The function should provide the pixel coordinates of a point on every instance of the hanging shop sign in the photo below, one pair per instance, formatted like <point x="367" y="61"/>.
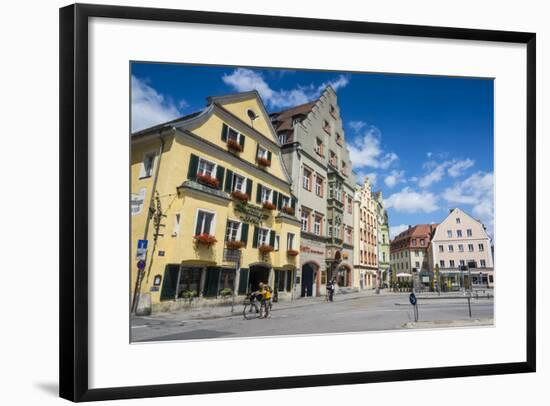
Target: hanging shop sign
<point x="250" y="213"/>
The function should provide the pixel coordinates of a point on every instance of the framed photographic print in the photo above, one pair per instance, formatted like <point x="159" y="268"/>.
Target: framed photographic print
<point x="241" y="189"/>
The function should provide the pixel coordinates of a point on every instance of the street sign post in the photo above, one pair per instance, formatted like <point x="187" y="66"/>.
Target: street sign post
<point x="414" y="302"/>
<point x="141" y="252"/>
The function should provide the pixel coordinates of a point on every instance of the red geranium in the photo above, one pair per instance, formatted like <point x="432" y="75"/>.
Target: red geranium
<point x="234" y="146"/>
<point x="268" y="206"/>
<point x="264" y="248"/>
<point x="234" y="245"/>
<point x="205" y="239"/>
<point x="238" y="195"/>
<point x="288" y="210"/>
<point x="264" y="161"/>
<point x="208" y="180"/>
<point x="292" y="253"/>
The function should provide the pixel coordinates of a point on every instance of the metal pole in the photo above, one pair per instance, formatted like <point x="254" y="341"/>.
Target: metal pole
<point x="469" y="307"/>
<point x="237" y="267"/>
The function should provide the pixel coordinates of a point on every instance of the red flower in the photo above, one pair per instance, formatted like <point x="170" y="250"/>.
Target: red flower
<point x="234" y="245"/>
<point x="292" y="253"/>
<point x="208" y="180"/>
<point x="288" y="210"/>
<point x="264" y="248"/>
<point x="264" y="161"/>
<point x="234" y="146"/>
<point x="205" y="239"/>
<point x="238" y="195"/>
<point x="268" y="206"/>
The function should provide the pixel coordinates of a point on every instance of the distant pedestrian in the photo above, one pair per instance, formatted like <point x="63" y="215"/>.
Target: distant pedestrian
<point x="330" y="290"/>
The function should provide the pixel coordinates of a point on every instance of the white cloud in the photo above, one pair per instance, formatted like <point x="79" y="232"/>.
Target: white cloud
<point x="357" y="126"/>
<point x="365" y="150"/>
<point x="458" y="167"/>
<point x="149" y="107"/>
<point x="395" y="230"/>
<point x="477" y="192"/>
<point x="244" y="80"/>
<point x="436" y="174"/>
<point x="373" y="177"/>
<point x="394" y="178"/>
<point x="410" y="201"/>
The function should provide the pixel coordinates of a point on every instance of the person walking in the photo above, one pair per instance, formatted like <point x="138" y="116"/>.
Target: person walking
<point x="266" y="294"/>
<point x="330" y="290"/>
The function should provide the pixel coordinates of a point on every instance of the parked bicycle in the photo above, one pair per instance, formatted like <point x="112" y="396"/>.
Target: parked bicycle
<point x="254" y="306"/>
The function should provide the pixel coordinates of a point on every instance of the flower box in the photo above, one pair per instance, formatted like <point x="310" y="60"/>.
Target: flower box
<point x="234" y="245"/>
<point x="208" y="181"/>
<point x="234" y="146"/>
<point x="265" y="249"/>
<point x="288" y="210"/>
<point x="292" y="253"/>
<point x="205" y="239"/>
<point x="264" y="162"/>
<point x="268" y="206"/>
<point x="238" y="195"/>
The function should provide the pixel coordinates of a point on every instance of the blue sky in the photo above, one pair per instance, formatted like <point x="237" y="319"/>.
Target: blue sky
<point x="425" y="141"/>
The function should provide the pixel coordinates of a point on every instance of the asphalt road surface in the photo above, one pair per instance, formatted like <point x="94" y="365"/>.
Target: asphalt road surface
<point x="368" y="313"/>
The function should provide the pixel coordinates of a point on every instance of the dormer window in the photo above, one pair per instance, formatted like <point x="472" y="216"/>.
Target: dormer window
<point x="333" y="159"/>
<point x="339" y="139"/>
<point x="326" y="126"/>
<point x="333" y="111"/>
<point x="283" y="138"/>
<point x="319" y="147"/>
<point x="344" y="169"/>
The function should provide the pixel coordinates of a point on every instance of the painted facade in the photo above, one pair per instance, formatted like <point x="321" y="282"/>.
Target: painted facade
<point x="383" y="244"/>
<point x="315" y="155"/>
<point x="461" y="243"/>
<point x="213" y="199"/>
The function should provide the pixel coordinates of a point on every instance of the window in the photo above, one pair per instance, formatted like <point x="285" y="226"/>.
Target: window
<point x="482" y="263"/>
<point x="307" y="179"/>
<point x="285" y="201"/>
<point x="239" y="183"/>
<point x="337" y="231"/>
<point x="262" y="152"/>
<point x="469" y="232"/>
<point x="349" y="236"/>
<point x="330" y="231"/>
<point x="344" y="169"/>
<point x="460" y="248"/>
<point x="289" y="241"/>
<point x="204" y="223"/>
<point x="233" y="231"/>
<point x="332" y="111"/>
<point x="227" y="279"/>
<point x="442" y="263"/>
<point x="277" y="242"/>
<point x="333" y="160"/>
<point x="449" y="234"/>
<point x="417" y="265"/>
<point x="317" y="225"/>
<point x="206" y="168"/>
<point x="350" y="204"/>
<point x="283" y="138"/>
<point x="416" y="253"/>
<point x="471" y="247"/>
<point x="305" y="220"/>
<point x="263" y="237"/>
<point x="452" y="263"/>
<point x="147" y="165"/>
<point x="422" y="242"/>
<point x="319" y="147"/>
<point x="190" y="280"/>
<point x="458" y="220"/>
<point x="459" y="233"/>
<point x="319" y="186"/>
<point x="176" y="229"/>
<point x="267" y="194"/>
<point x="462" y="263"/>
<point x="414" y="242"/>
<point x="233" y="135"/>
<point x="451" y="248"/>
<point x="339" y="139"/>
<point x="326" y="126"/>
<point x="480" y="247"/>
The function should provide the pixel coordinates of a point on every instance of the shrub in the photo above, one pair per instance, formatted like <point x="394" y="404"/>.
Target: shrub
<point x="225" y="292"/>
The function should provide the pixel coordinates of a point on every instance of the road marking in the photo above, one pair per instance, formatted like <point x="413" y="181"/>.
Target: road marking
<point x="140" y="326"/>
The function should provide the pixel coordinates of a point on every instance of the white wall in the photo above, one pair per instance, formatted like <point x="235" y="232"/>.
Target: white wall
<point x="29" y="72"/>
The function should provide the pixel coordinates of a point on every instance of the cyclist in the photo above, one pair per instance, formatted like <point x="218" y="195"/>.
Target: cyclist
<point x="266" y="294"/>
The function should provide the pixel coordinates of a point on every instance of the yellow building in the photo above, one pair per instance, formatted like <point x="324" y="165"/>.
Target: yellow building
<point x="211" y="196"/>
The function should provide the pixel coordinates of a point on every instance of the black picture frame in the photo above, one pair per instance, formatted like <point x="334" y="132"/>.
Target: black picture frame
<point x="73" y="281"/>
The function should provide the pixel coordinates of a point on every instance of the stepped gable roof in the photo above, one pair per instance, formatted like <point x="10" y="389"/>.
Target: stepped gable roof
<point x="282" y="120"/>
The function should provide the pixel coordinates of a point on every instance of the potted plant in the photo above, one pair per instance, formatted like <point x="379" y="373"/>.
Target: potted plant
<point x="268" y="206"/>
<point x="188" y="294"/>
<point x="205" y="239"/>
<point x="288" y="210"/>
<point x="234" y="245"/>
<point x="226" y="292"/>
<point x="208" y="180"/>
<point x="265" y="248"/>
<point x="234" y="146"/>
<point x="292" y="253"/>
<point x="262" y="161"/>
<point x="238" y="195"/>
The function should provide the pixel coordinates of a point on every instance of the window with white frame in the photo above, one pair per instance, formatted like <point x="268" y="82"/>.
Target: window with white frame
<point x="416" y="253"/>
<point x="206" y="168"/>
<point x="262" y="152"/>
<point x="442" y="263"/>
<point x="460" y="247"/>
<point x="276" y="243"/>
<point x="451" y="263"/>
<point x="233" y="231"/>
<point x="317" y="225"/>
<point x="267" y="194"/>
<point x="471" y="247"/>
<point x="449" y="233"/>
<point x="285" y="200"/>
<point x="283" y="138"/>
<point x="451" y="248"/>
<point x="422" y="242"/>
<point x="147" y="165"/>
<point x="417" y="265"/>
<point x="458" y="220"/>
<point x="305" y="220"/>
<point x="481" y="247"/>
<point x="233" y="135"/>
<point x="204" y="223"/>
<point x="459" y="233"/>
<point x="482" y="263"/>
<point x="307" y="179"/>
<point x="469" y="232"/>
<point x="462" y="263"/>
<point x="239" y="183"/>
<point x="319" y="186"/>
<point x="263" y="236"/>
<point x="290" y="241"/>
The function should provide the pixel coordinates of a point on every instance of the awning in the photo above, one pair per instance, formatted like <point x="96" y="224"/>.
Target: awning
<point x="403" y="274"/>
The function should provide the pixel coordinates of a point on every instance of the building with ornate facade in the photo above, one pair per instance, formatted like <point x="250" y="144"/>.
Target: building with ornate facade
<point x="383" y="244"/>
<point x="316" y="157"/>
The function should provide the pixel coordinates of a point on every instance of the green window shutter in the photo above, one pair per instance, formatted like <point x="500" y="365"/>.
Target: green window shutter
<point x="241" y="141"/>
<point x="244" y="233"/>
<point x="193" y="167"/>
<point x="289" y="281"/>
<point x="169" y="282"/>
<point x="211" y="283"/>
<point x="249" y="188"/>
<point x="293" y="203"/>
<point x="255" y="237"/>
<point x="272" y="238"/>
<point x="229" y="181"/>
<point x="243" y="281"/>
<point x="226" y="227"/>
<point x="275" y="197"/>
<point x="280" y="201"/>
<point x="219" y="175"/>
<point x="224" y="132"/>
<point x="257" y="150"/>
<point x="269" y="156"/>
<point x="259" y="193"/>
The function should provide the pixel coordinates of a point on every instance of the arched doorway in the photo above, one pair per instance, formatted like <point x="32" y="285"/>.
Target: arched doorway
<point x="344" y="276"/>
<point x="258" y="273"/>
<point x="308" y="275"/>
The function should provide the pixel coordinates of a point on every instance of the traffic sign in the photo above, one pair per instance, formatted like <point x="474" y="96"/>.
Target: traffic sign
<point x="412" y="299"/>
<point x="141" y="252"/>
<point x="141" y="264"/>
<point x="142" y="244"/>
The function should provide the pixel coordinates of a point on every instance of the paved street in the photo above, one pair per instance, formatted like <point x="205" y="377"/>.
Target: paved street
<point x="348" y="313"/>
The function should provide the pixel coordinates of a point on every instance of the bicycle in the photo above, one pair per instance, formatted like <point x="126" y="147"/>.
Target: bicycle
<point x="254" y="307"/>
